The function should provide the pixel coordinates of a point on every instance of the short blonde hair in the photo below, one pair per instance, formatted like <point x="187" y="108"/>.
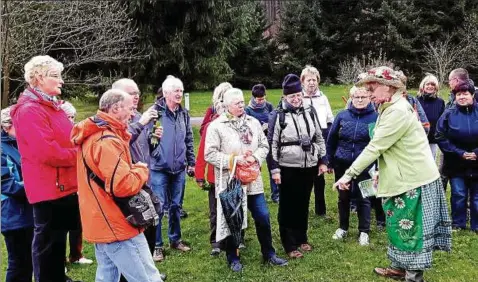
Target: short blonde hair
<point x="218" y="96"/>
<point x="40" y="65"/>
<point x="429" y="78"/>
<point x="356" y="89"/>
<point x="310" y="70"/>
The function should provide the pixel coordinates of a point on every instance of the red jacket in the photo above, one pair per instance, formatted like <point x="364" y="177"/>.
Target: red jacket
<point x="48" y="157"/>
<point x="201" y="164"/>
<point x="208" y="117"/>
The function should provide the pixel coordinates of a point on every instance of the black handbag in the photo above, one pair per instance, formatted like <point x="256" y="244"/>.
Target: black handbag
<point x="140" y="210"/>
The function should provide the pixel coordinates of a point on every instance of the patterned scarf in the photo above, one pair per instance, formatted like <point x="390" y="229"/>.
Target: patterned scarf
<point x="239" y="124"/>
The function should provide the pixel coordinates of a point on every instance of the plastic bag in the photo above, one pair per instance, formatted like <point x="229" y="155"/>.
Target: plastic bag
<point x="248" y="173"/>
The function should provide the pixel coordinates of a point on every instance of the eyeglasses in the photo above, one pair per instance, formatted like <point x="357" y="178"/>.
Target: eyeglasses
<point x="293" y="96"/>
<point x="240" y="103"/>
<point x="361" y="98"/>
<point x="54" y="75"/>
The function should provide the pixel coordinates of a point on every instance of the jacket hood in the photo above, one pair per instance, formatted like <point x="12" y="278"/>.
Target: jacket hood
<point x="369" y="109"/>
<point x="100" y="122"/>
<point x="35" y="96"/>
<point x="161" y="105"/>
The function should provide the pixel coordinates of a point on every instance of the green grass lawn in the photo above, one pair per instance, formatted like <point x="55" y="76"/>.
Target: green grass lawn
<point x="330" y="261"/>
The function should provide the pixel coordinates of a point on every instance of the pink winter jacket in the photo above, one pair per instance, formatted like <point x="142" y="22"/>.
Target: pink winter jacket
<point x="48" y="156"/>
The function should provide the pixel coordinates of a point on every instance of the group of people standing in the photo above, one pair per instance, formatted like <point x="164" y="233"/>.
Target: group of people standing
<point x="55" y="172"/>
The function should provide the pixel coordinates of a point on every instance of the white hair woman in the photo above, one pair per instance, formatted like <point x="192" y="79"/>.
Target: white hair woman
<point x="17" y="213"/>
<point x="310" y="80"/>
<point x="48" y="165"/>
<point x="413" y="196"/>
<point x="207" y="180"/>
<point x="433" y="105"/>
<point x="236" y="135"/>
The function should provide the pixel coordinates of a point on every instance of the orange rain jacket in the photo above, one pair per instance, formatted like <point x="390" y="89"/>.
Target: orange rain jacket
<point x="104" y="143"/>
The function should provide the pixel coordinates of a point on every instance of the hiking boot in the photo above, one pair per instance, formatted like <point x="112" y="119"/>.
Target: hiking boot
<point x="236" y="266"/>
<point x="388" y="272"/>
<point x="180" y="246"/>
<point x="158" y="254"/>
<point x="277" y="261"/>
<point x="182" y="213"/>
<point x="295" y="254"/>
<point x="339" y="234"/>
<point x="83" y="260"/>
<point x="215" y="252"/>
<point x="306" y="247"/>
<point x="363" y="239"/>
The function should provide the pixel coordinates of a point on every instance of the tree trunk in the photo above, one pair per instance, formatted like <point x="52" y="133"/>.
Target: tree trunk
<point x="6" y="84"/>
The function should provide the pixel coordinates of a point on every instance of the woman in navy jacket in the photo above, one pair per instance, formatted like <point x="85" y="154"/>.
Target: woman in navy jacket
<point x="17" y="213"/>
<point x="433" y="105"/>
<point x="348" y="136"/>
<point x="457" y="137"/>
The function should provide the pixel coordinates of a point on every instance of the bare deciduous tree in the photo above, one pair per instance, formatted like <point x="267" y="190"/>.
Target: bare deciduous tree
<point x="351" y="67"/>
<point x="76" y="32"/>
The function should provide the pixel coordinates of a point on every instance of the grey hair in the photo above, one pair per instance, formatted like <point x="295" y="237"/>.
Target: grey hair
<point x="40" y="65"/>
<point x="6" y="118"/>
<point x="110" y="98"/>
<point x="356" y="89"/>
<point x="170" y="83"/>
<point x="218" y="96"/>
<point x="460" y="73"/>
<point x="123" y="83"/>
<point x="310" y="70"/>
<point x="232" y="94"/>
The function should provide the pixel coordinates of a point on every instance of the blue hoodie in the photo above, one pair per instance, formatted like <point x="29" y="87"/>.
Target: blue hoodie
<point x="176" y="147"/>
<point x="457" y="133"/>
<point x="349" y="134"/>
<point x="17" y="213"/>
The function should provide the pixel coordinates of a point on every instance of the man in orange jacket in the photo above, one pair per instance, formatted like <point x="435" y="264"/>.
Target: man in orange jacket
<point x="103" y="142"/>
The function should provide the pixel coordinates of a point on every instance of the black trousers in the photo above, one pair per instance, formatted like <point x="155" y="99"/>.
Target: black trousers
<point x="52" y="220"/>
<point x="294" y="196"/>
<point x="363" y="204"/>
<point x="19" y="249"/>
<point x="319" y="195"/>
<point x="213" y="217"/>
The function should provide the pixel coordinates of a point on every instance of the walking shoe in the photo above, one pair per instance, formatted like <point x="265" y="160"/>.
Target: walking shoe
<point x="163" y="276"/>
<point x="215" y="252"/>
<point x="306" y="247"/>
<point x="180" y="246"/>
<point x="277" y="261"/>
<point x="295" y="254"/>
<point x="182" y="213"/>
<point x="388" y="272"/>
<point x="236" y="266"/>
<point x="158" y="254"/>
<point x="339" y="234"/>
<point x="83" y="260"/>
<point x="363" y="239"/>
<point x="166" y="213"/>
<point x="241" y="246"/>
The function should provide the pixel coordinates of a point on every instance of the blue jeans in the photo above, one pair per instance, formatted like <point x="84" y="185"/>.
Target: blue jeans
<point x="169" y="188"/>
<point x="19" y="249"/>
<point x="274" y="188"/>
<point x="258" y="207"/>
<point x="460" y="188"/>
<point x="130" y="257"/>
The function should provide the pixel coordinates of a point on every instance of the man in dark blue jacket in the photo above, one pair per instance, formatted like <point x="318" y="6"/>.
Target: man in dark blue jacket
<point x="170" y="158"/>
<point x="17" y="213"/>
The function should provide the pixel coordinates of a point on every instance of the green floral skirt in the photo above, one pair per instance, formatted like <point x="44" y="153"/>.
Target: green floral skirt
<point x="417" y="224"/>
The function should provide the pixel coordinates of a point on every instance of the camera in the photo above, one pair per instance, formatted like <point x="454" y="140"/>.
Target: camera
<point x="305" y="143"/>
<point x="190" y="172"/>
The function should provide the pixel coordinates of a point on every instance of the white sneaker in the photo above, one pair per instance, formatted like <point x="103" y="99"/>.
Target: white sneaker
<point x="83" y="260"/>
<point x="363" y="239"/>
<point x="339" y="234"/>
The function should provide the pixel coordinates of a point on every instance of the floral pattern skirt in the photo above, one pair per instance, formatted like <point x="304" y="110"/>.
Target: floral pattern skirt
<point x="417" y="224"/>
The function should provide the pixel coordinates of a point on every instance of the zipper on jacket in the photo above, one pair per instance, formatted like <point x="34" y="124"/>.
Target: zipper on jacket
<point x="468" y="120"/>
<point x="62" y="187"/>
<point x="355" y="135"/>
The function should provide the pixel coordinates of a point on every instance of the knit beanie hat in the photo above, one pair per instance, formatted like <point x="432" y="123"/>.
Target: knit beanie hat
<point x="258" y="90"/>
<point x="382" y="75"/>
<point x="291" y="84"/>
